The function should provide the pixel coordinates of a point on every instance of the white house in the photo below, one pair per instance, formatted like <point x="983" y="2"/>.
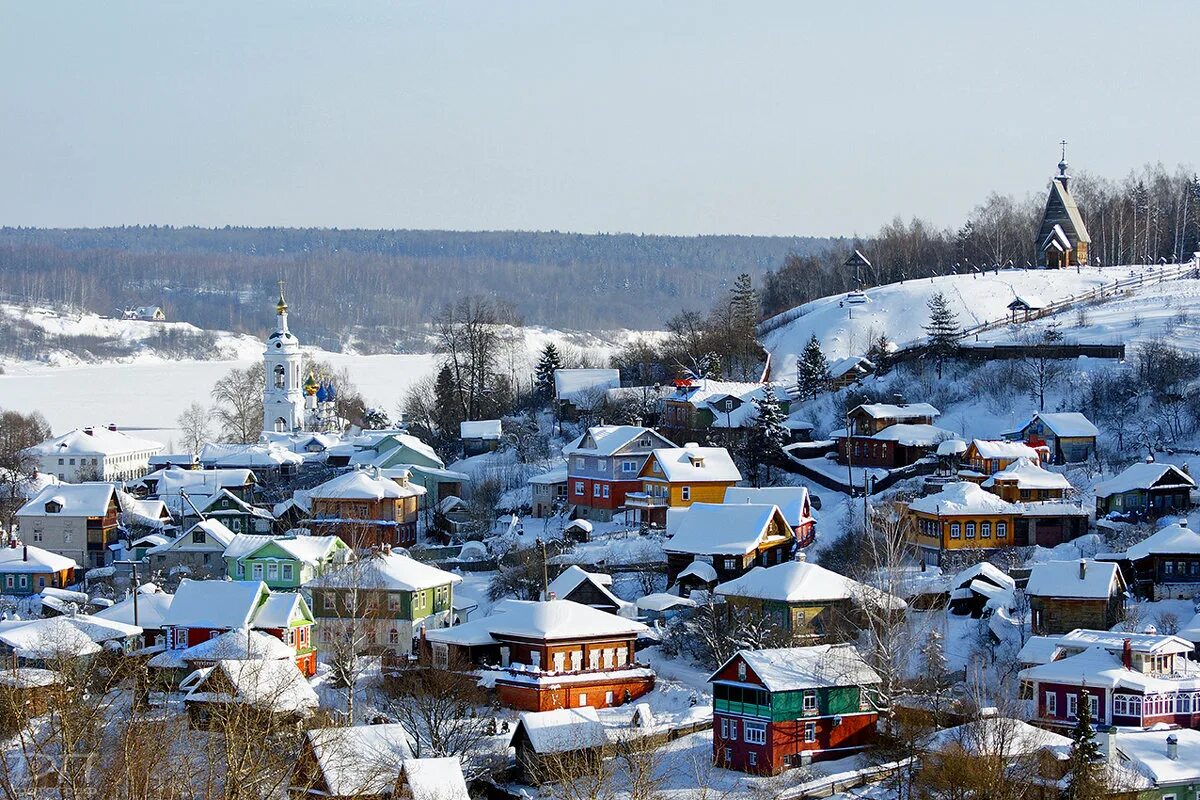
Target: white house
<point x="95" y="453"/>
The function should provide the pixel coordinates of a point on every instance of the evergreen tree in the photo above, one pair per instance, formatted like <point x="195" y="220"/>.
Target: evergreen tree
<point x="548" y="362"/>
<point x="447" y="413"/>
<point x="1084" y="772"/>
<point x="812" y="369"/>
<point x="943" y="330"/>
<point x="880" y="353"/>
<point x="768" y="436"/>
<point x="743" y="353"/>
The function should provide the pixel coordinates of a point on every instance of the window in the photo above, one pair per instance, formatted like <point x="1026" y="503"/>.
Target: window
<point x="393" y="636"/>
<point x="583" y="699"/>
<point x="8" y="581"/>
<point x="579" y="488"/>
<point x="393" y="602"/>
<point x="985" y="530"/>
<point x="287" y="572"/>
<point x="198" y="537"/>
<point x="756" y="733"/>
<point x="1051" y="704"/>
<point x="272" y="572"/>
<point x="1001" y="530"/>
<point x="601" y="465"/>
<point x="686" y="492"/>
<point x="631" y="466"/>
<point x="970" y="530"/>
<point x="1169" y="567"/>
<point x="595" y="490"/>
<point x="579" y="463"/>
<point x="810" y="731"/>
<point x="257" y="570"/>
<point x="60" y="462"/>
<point x="733" y="730"/>
<point x="441" y="655"/>
<point x="606" y="490"/>
<point x="955" y="530"/>
<point x="730" y="564"/>
<point x="37" y="535"/>
<point x="724" y="728"/>
<point x="810" y="701"/>
<point x="608" y="698"/>
<point x="752" y="758"/>
<point x="1094" y="706"/>
<point x="279" y="373"/>
<point x="1072" y="706"/>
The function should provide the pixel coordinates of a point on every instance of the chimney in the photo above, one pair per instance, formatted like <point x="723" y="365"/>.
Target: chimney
<point x="1082" y="569"/>
<point x="1173" y="747"/>
<point x="1108" y="743"/>
<point x="801" y="556"/>
<point x="552" y="596"/>
<point x="637" y="421"/>
<point x="1186" y="467"/>
<point x="112" y="426"/>
<point x="90" y="431"/>
<point x="1127" y="654"/>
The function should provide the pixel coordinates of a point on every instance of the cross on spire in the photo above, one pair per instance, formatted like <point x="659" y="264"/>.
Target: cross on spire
<point x="1064" y="149"/>
<point x="282" y="305"/>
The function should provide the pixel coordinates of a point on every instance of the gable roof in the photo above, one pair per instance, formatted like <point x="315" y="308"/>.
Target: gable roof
<point x="305" y="549"/>
<point x="793" y="501"/>
<point x="215" y="604"/>
<point x="99" y="442"/>
<point x="1144" y="476"/>
<point x="486" y="429"/>
<point x="1176" y="538"/>
<point x="1028" y="475"/>
<point x="279" y="609"/>
<point x="362" y="484"/>
<point x="897" y="412"/>
<point x="385" y="571"/>
<point x="277" y="685"/>
<point x="1062" y="579"/>
<point x="715" y="528"/>
<point x="76" y="499"/>
<point x="962" y="498"/>
<point x="693" y="463"/>
<point x="363" y="760"/>
<point x="989" y="448"/>
<point x="1001" y="736"/>
<point x="217" y="537"/>
<point x="247" y="455"/>
<point x="152" y="606"/>
<point x="1068" y="424"/>
<point x="1060" y="196"/>
<point x="239" y="644"/>
<point x="538" y="619"/>
<point x="576" y="384"/>
<point x="803" y="582"/>
<point x="27" y="558"/>
<point x="572" y="576"/>
<point x="913" y="434"/>
<point x="561" y="730"/>
<point x="243" y="544"/>
<point x="608" y="440"/>
<point x="48" y="639"/>
<point x="786" y="668"/>
<point x="434" y="778"/>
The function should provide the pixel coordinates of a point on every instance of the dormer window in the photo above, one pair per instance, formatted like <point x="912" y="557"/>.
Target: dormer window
<point x="53" y="507"/>
<point x="198" y="537"/>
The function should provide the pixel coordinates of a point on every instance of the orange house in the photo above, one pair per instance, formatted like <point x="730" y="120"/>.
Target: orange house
<point x="676" y="477"/>
<point x="367" y="508"/>
<point x="962" y="516"/>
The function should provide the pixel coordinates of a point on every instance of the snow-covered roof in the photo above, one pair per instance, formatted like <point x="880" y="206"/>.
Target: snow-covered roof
<point x="486" y="429"/>
<point x="960" y="499"/>
<point x="247" y="455"/>
<point x="215" y="604"/>
<point x="363" y="484"/>
<point x="243" y="544"/>
<point x="574" y="575"/>
<point x="151" y="608"/>
<point x="95" y="441"/>
<point x="803" y="582"/>
<point x="997" y="736"/>
<point x="392" y="571"/>
<point x="538" y="619"/>
<point x="216" y="537"/>
<point x="362" y="761"/>
<point x="1175" y="539"/>
<point x="1028" y="475"/>
<point x="1142" y="476"/>
<point x="1062" y="579"/>
<point x="897" y="412"/>
<point x="1029" y="301"/>
<point x="693" y="463"/>
<point x="574" y="385"/>
<point x="1191" y="631"/>
<point x="661" y="601"/>
<point x="1068" y="424"/>
<point x="435" y="778"/>
<point x="793" y="501"/>
<point x="787" y="668"/>
<point x="279" y="609"/>
<point x="840" y="366"/>
<point x="49" y="639"/>
<point x="913" y="435"/>
<point x="986" y="571"/>
<point x="277" y="685"/>
<point x="556" y="475"/>
<point x="607" y="440"/>
<point x="716" y="528"/>
<point x="26" y="558"/>
<point x="1147" y="750"/>
<point x="711" y="395"/>
<point x="1100" y="667"/>
<point x="75" y="499"/>
<point x="951" y="447"/>
<point x="172" y="480"/>
<point x="994" y="448"/>
<point x="701" y="570"/>
<point x="562" y="730"/>
<point x="239" y="644"/>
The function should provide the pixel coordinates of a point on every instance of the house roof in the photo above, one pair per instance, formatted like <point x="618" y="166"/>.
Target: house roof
<point x="716" y="528"/>
<point x="608" y="440"/>
<point x="962" y="498"/>
<point x="803" y="582"/>
<point x="951" y="447"/>
<point x="1143" y="476"/>
<point x="913" y="435"/>
<point x="897" y="412"/>
<point x="999" y="736"/>
<point x="215" y="604"/>
<point x="787" y="668"/>
<point x="278" y="685"/>
<point x="151" y="608"/>
<point x="572" y="576"/>
<point x="305" y="549"/>
<point x="363" y="760"/>
<point x="989" y="448"/>
<point x="100" y="442"/>
<point x="217" y="537"/>
<point x="1062" y="579"/>
<point x="247" y="455"/>
<point x="561" y="730"/>
<point x="577" y="384"/>
<point x="1099" y="667"/>
<point x="239" y="644"/>
<point x="793" y="501"/>
<point x="1059" y="188"/>
<point x="49" y="639"/>
<point x="840" y="366"/>
<point x="710" y="395"/>
<point x="1147" y="750"/>
<point x="538" y="619"/>
<point x="435" y="778"/>
<point x="1069" y="424"/>
<point x="1029" y="301"/>
<point x="486" y="429"/>
<point x="243" y="544"/>
<point x="693" y="463"/>
<point x="1028" y="475"/>
<point x="985" y="571"/>
<point x="76" y="499"/>
<point x="279" y="609"/>
<point x="385" y="571"/>
<point x="27" y="558"/>
<point x="1174" y="539"/>
<point x="556" y="475"/>
<point x="362" y="484"/>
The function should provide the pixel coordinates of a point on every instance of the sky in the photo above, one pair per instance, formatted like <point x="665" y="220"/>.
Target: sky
<point x="788" y="118"/>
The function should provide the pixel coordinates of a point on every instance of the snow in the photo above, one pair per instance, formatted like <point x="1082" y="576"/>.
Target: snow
<point x="952" y="447"/>
<point x="899" y="310"/>
<point x="435" y="779"/>
<point x="99" y="442"/>
<point x="898" y="412"/>
<point x="1062" y="579"/>
<point x="962" y="498"/>
<point x="713" y="528"/>
<point x="49" y="640"/>
<point x="990" y="448"/>
<point x="574" y="575"/>
<point x="1174" y="539"/>
<point x="562" y="730"/>
<point x="557" y="619"/>
<point x="1001" y="736"/>
<point x="799" y="582"/>
<point x="1068" y="424"/>
<point x="360" y="761"/>
<point x="390" y="571"/>
<point x="710" y="394"/>
<point x="1143" y="476"/>
<point x="1028" y="475"/>
<point x="218" y="455"/>
<point x="215" y="534"/>
<point x="214" y="604"/>
<point x="1097" y="666"/>
<point x="151" y="609"/>
<point x="76" y="499"/>
<point x="661" y="601"/>
<point x="234" y="645"/>
<point x="607" y="440"/>
<point x="693" y="463"/>
<point x="701" y="570"/>
<point x="486" y="429"/>
<point x="361" y="484"/>
<point x="26" y="558"/>
<point x="574" y="385"/>
<point x="919" y="435"/>
<point x="278" y="685"/>
<point x="556" y="475"/>
<point x="786" y="668"/>
<point x="1148" y="751"/>
<point x="793" y="501"/>
<point x="243" y="544"/>
<point x="279" y="610"/>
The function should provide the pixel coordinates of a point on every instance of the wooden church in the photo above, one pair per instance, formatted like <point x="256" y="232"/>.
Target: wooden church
<point x="1063" y="238"/>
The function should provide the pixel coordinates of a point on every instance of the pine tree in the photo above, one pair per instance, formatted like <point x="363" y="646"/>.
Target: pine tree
<point x="548" y="362"/>
<point x="447" y="405"/>
<point x="943" y="330"/>
<point x="880" y="353"/>
<point x="812" y="369"/>
<point x="1084" y="772"/>
<point x="768" y="436"/>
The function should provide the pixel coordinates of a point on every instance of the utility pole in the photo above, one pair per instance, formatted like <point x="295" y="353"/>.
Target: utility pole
<point x="545" y="570"/>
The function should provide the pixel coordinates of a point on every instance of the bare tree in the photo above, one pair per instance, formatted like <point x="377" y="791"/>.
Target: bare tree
<point x="195" y="426"/>
<point x="237" y="399"/>
<point x="18" y="433"/>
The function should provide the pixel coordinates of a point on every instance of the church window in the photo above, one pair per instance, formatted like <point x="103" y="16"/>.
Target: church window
<point x="279" y="374"/>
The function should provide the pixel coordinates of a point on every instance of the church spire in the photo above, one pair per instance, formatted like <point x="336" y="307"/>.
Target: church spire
<point x="281" y="308"/>
<point x="1062" y="165"/>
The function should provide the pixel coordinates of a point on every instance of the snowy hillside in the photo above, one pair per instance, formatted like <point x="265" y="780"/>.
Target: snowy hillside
<point x="899" y="309"/>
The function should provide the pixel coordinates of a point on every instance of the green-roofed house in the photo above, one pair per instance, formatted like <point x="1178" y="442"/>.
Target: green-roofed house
<point x="395" y="450"/>
<point x="284" y="562"/>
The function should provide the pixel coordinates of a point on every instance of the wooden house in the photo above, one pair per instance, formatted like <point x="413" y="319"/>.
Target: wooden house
<point x="977" y="587"/>
<point x="848" y="371"/>
<point x="780" y="708"/>
<point x="729" y="540"/>
<point x="353" y="763"/>
<point x="1046" y="518"/>
<point x="75" y="520"/>
<point x="985" y="456"/>
<point x="549" y="492"/>
<point x="1069" y="436"/>
<point x="676" y="477"/>
<point x="1062" y="238"/>
<point x="716" y="410"/>
<point x="889" y="435"/>
<point x="1023" y="481"/>
<point x="26" y="570"/>
<point x="1164" y="566"/>
<point x="794" y="502"/>
<point x="1146" y="490"/>
<point x="603" y="466"/>
<point x="592" y="589"/>
<point x="262" y="694"/>
<point x="555" y="745"/>
<point x="962" y="516"/>
<point x="200" y="550"/>
<point x="479" y="436"/>
<point x="550" y="654"/>
<point x="284" y="562"/>
<point x="1065" y="595"/>
<point x="395" y="450"/>
<point x="367" y="509"/>
<point x="233" y="512"/>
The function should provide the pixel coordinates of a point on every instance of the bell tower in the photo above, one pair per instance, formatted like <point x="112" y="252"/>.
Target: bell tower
<point x="283" y="396"/>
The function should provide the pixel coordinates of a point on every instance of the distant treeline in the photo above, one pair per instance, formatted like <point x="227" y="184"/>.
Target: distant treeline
<point x="377" y="289"/>
<point x="1147" y="216"/>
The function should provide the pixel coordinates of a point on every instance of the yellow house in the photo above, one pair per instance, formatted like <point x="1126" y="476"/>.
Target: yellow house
<point x="676" y="477"/>
<point x="962" y="516"/>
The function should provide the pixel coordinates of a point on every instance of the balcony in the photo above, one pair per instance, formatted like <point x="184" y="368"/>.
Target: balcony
<point x="643" y="500"/>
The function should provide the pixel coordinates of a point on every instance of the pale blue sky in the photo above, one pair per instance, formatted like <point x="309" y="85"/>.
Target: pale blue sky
<point x="671" y="117"/>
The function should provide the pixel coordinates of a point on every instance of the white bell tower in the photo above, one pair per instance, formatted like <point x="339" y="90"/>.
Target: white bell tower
<point x="283" y="397"/>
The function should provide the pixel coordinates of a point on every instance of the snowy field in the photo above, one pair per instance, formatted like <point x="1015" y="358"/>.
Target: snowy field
<point x="899" y="309"/>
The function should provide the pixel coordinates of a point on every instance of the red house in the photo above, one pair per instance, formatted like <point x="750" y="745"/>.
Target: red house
<point x="605" y="464"/>
<point x="551" y="654"/>
<point x="784" y="707"/>
<point x="203" y="610"/>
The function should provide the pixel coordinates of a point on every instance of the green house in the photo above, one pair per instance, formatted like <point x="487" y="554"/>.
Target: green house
<point x="284" y="562"/>
<point x="384" y="599"/>
<point x="231" y="511"/>
<point x="402" y="451"/>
